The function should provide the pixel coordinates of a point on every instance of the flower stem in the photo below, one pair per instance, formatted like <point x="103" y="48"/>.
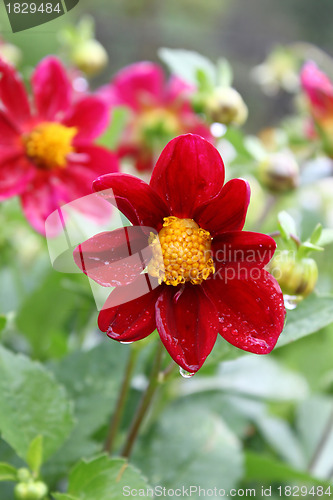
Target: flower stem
<point x="144" y="403"/>
<point x="322" y="442"/>
<point x="116" y="417"/>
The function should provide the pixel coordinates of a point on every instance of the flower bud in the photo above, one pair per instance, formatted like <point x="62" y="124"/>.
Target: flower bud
<point x="10" y="53"/>
<point x="89" y="56"/>
<point x="31" y="491"/>
<point x="279" y="172"/>
<point x="296" y="277"/>
<point x="225" y="105"/>
<point x="23" y="475"/>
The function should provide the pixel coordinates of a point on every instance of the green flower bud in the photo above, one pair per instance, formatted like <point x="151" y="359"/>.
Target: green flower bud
<point x="10" y="53"/>
<point x="31" y="491"/>
<point x="90" y="57"/>
<point x="20" y="491"/>
<point x="225" y="105"/>
<point x="23" y="475"/>
<point x="279" y="172"/>
<point x="296" y="277"/>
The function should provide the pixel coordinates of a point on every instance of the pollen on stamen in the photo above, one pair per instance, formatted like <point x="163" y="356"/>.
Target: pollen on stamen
<point x="181" y="253"/>
<point x="49" y="144"/>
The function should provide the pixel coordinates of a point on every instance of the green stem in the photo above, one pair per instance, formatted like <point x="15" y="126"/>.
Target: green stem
<point x="270" y="204"/>
<point x="144" y="403"/>
<point x="122" y="396"/>
<point x="322" y="442"/>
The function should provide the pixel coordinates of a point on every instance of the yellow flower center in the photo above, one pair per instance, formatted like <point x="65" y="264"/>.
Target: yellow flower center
<point x="49" y="144"/>
<point x="181" y="252"/>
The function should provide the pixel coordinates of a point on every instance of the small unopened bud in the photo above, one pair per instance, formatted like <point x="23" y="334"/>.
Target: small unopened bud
<point x="90" y="57"/>
<point x="23" y="475"/>
<point x="31" y="491"/>
<point x="225" y="105"/>
<point x="279" y="172"/>
<point x="10" y="53"/>
<point x="296" y="277"/>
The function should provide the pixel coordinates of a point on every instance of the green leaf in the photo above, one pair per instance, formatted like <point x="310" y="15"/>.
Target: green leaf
<point x="3" y="322"/>
<point x="111" y="136"/>
<point x="326" y="237"/>
<point x="32" y="403"/>
<point x="224" y="73"/>
<point x="102" y="478"/>
<point x="35" y="455"/>
<point x="287" y="225"/>
<point x="63" y="496"/>
<point x="172" y="455"/>
<point x="186" y="63"/>
<point x="263" y="468"/>
<point x="315" y="236"/>
<point x="56" y="309"/>
<point x="7" y="472"/>
<point x="92" y="379"/>
<point x="310" y="316"/>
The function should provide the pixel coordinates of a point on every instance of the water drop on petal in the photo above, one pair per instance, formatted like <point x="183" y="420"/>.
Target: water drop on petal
<point x="126" y="342"/>
<point x="184" y="373"/>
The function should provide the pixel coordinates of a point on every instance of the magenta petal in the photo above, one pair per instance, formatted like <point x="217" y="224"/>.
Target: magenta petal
<point x="90" y="116"/>
<point x="187" y="322"/>
<point x="139" y="85"/>
<point x="15" y="174"/>
<point x="227" y="212"/>
<point x="318" y="87"/>
<point x="43" y="196"/>
<point x="134" y="198"/>
<point x="9" y="134"/>
<point x="13" y="94"/>
<point x="251" y="310"/>
<point x="188" y="173"/>
<point x="242" y="249"/>
<point x="52" y="88"/>
<point x="114" y="258"/>
<point x="129" y="312"/>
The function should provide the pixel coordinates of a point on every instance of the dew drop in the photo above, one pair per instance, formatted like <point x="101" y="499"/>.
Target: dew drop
<point x="291" y="301"/>
<point x="184" y="373"/>
<point x="126" y="342"/>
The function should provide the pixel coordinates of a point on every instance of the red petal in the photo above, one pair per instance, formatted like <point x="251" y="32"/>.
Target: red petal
<point x="227" y="212"/>
<point x="52" y="88"/>
<point x="94" y="159"/>
<point x="9" y="134"/>
<point x="139" y="85"/>
<point x="114" y="258"/>
<point x="15" y="174"/>
<point x="251" y="310"/>
<point x="241" y="250"/>
<point x="134" y="198"/>
<point x="129" y="312"/>
<point x="188" y="173"/>
<point x="90" y="115"/>
<point x="13" y="94"/>
<point x="187" y="322"/>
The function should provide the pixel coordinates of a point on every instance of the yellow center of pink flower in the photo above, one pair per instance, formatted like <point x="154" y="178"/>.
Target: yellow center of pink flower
<point x="49" y="144"/>
<point x="181" y="252"/>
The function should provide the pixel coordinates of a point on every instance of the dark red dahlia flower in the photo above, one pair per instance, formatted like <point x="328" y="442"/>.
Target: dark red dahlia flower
<point x="203" y="275"/>
<point x="158" y="110"/>
<point x="47" y="155"/>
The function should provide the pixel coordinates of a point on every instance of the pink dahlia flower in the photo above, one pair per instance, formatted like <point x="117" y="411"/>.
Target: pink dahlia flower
<point x="159" y="111"/>
<point x="47" y="155"/>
